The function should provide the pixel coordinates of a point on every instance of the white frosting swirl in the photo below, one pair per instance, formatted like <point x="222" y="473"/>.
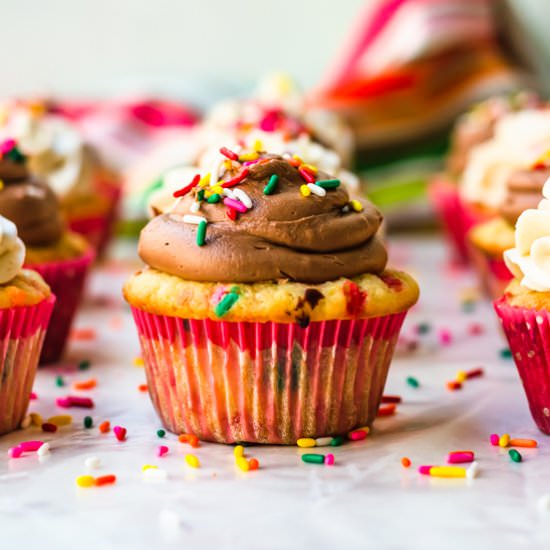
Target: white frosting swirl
<point x="529" y="261"/>
<point x="12" y="251"/>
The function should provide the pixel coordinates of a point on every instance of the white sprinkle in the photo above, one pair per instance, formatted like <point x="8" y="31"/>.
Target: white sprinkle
<point x="195" y="207"/>
<point x="345" y="209"/>
<point x="189" y="218"/>
<point x="323" y="441"/>
<point x="26" y="422"/>
<point x="173" y="205"/>
<point x="214" y="173"/>
<point x="544" y="503"/>
<point x="473" y="470"/>
<point x="229" y="193"/>
<point x="243" y="197"/>
<point x="43" y="450"/>
<point x="92" y="463"/>
<point x="154" y="475"/>
<point x="317" y="190"/>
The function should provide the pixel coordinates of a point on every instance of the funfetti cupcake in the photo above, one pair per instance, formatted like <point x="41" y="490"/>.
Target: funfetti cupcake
<point x="266" y="311"/>
<point x="26" y="304"/>
<point x="88" y="190"/>
<point x="62" y="257"/>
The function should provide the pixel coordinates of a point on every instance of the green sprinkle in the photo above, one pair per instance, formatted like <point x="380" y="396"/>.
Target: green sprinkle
<point x="16" y="156"/>
<point x="212" y="199"/>
<point x="468" y="306"/>
<point x="337" y="441"/>
<point x="312" y="458"/>
<point x="328" y="184"/>
<point x="161" y="433"/>
<point x="505" y="353"/>
<point x="514" y="455"/>
<point x="271" y="184"/>
<point x="226" y="303"/>
<point x="59" y="382"/>
<point x="88" y="422"/>
<point x="423" y="328"/>
<point x="413" y="382"/>
<point x="84" y="365"/>
<point x="201" y="233"/>
<point x="200" y="195"/>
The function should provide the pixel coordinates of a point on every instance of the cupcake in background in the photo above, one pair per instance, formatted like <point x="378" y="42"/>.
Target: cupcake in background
<point x="524" y="310"/>
<point x="89" y="192"/>
<point x="62" y="257"/>
<point x="266" y="311"/>
<point x="26" y="304"/>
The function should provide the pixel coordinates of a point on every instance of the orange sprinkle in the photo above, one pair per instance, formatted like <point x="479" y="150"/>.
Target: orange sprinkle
<point x="406" y="462"/>
<point x="528" y="443"/>
<point x="253" y="464"/>
<point x="143" y="387"/>
<point x="105" y="427"/>
<point x="192" y="439"/>
<point x="387" y="410"/>
<point x="294" y="162"/>
<point x="83" y="334"/>
<point x="85" y="384"/>
<point x="454" y="385"/>
<point x="105" y="480"/>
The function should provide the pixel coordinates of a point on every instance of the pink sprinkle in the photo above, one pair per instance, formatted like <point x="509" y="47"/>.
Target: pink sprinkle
<point x="7" y="146"/>
<point x="15" y="452"/>
<point x="30" y="446"/>
<point x="250" y="162"/>
<point x="33" y="396"/>
<point x="475" y="329"/>
<point x="162" y="450"/>
<point x="494" y="439"/>
<point x="120" y="433"/>
<point x="459" y="458"/>
<point x="357" y="435"/>
<point x="236" y="205"/>
<point x="424" y="470"/>
<point x="329" y="460"/>
<point x="74" y="401"/>
<point x="219" y="293"/>
<point x="445" y="336"/>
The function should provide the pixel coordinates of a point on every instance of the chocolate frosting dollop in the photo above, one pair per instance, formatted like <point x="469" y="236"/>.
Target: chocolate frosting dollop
<point x="523" y="191"/>
<point x="29" y="203"/>
<point x="283" y="236"/>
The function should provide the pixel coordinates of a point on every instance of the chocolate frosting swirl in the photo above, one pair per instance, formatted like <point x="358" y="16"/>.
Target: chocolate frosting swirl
<point x="284" y="236"/>
<point x="523" y="191"/>
<point x="29" y="203"/>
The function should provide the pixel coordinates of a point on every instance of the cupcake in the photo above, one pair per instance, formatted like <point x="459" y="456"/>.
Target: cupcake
<point x="87" y="189"/>
<point x="62" y="257"/>
<point x="26" y="304"/>
<point x="524" y="309"/>
<point x="265" y="311"/>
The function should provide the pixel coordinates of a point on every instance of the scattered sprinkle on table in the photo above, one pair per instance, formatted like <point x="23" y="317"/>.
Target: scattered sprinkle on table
<point x="412" y="382"/>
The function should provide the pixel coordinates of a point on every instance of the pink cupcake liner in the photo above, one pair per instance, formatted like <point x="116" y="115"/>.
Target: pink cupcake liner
<point x="528" y="334"/>
<point x="492" y="272"/>
<point x="266" y="382"/>
<point x="22" y="331"/>
<point x="66" y="279"/>
<point x="456" y="216"/>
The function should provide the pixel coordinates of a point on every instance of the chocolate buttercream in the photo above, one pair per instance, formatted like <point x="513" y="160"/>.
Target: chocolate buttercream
<point x="29" y="203"/>
<point x="283" y="236"/>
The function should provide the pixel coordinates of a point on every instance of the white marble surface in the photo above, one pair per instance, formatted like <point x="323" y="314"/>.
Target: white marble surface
<point x="367" y="500"/>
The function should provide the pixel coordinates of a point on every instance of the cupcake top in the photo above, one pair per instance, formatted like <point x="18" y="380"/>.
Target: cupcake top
<point x="529" y="260"/>
<point x="26" y="200"/>
<point x="12" y="251"/>
<point x="263" y="219"/>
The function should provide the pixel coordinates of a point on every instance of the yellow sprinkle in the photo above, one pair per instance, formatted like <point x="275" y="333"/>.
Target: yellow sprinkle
<point x="242" y="463"/>
<point x="365" y="429"/>
<point x="217" y="189"/>
<point x="138" y="361"/>
<point x="36" y="419"/>
<point x="258" y="145"/>
<point x="192" y="461"/>
<point x="504" y="440"/>
<point x="306" y="442"/>
<point x="238" y="451"/>
<point x="205" y="180"/>
<point x="356" y="205"/>
<point x="448" y="471"/>
<point x="310" y="167"/>
<point x="149" y="467"/>
<point x="305" y="190"/>
<point x="60" y="420"/>
<point x="85" y="481"/>
<point x="248" y="156"/>
<point x="1" y="184"/>
<point x="460" y="376"/>
<point x="298" y="159"/>
<point x="228" y="164"/>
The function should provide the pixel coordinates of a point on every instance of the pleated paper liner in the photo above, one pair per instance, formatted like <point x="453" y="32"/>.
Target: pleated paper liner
<point x="266" y="382"/>
<point x="22" y="331"/>
<point x="66" y="279"/>
<point x="528" y="334"/>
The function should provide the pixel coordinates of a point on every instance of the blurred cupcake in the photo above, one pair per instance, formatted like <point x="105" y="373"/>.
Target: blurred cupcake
<point x="524" y="310"/>
<point x="88" y="191"/>
<point x="62" y="257"/>
<point x="265" y="311"/>
<point x="26" y="304"/>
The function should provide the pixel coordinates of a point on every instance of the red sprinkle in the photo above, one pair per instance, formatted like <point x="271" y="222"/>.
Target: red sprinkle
<point x="105" y="480"/>
<point x="49" y="427"/>
<point x="83" y="334"/>
<point x="454" y="385"/>
<point x="231" y="213"/>
<point x="120" y="433"/>
<point x="388" y="410"/>
<point x="184" y="190"/>
<point x="424" y="470"/>
<point x="74" y="401"/>
<point x="229" y="154"/>
<point x="237" y="179"/>
<point x="306" y="175"/>
<point x="391" y="399"/>
<point x="474" y="373"/>
<point x="475" y="329"/>
<point x="357" y="435"/>
<point x="33" y="396"/>
<point x="143" y="387"/>
<point x="253" y="464"/>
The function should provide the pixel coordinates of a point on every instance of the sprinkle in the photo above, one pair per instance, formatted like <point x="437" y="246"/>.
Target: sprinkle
<point x="306" y="175"/>
<point x="33" y="396"/>
<point x="83" y="334"/>
<point x="143" y="387"/>
<point x="448" y="471"/>
<point x="154" y="475"/>
<point x="195" y="220"/>
<point x="323" y="441"/>
<point x="329" y="459"/>
<point x="505" y="353"/>
<point x="200" y="196"/>
<point x="242" y="463"/>
<point x="306" y="442"/>
<point x="191" y="439"/>
<point x="391" y="399"/>
<point x="445" y="336"/>
<point x="356" y="205"/>
<point x="105" y="427"/>
<point x="161" y="433"/>
<point x="49" y="427"/>
<point x="192" y="461"/>
<point x="120" y="433"/>
<point x="225" y="304"/>
<point x="227" y="193"/>
<point x="254" y="464"/>
<point x="249" y="158"/>
<point x="184" y="190"/>
<point x="412" y="382"/>
<point x="238" y="451"/>
<point x="504" y="440"/>
<point x="425" y="470"/>
<point x="242" y="196"/>
<point x="388" y="410"/>
<point x="310" y="168"/>
<point x="357" y="435"/>
<point x="472" y="470"/>
<point x="105" y="480"/>
<point x="454" y="385"/>
<point x="148" y="467"/>
<point x="138" y="361"/>
<point x="59" y="382"/>
<point x="406" y="462"/>
<point x="195" y="207"/>
<point x="43" y="450"/>
<point x="162" y="450"/>
<point x="229" y="154"/>
<point x="237" y="179"/>
<point x="328" y="184"/>
<point x="305" y="190"/>
<point x="15" y="452"/>
<point x="88" y="422"/>
<point x="92" y="462"/>
<point x="474" y="373"/>
<point x="84" y="365"/>
<point x="74" y="401"/>
<point x="85" y="384"/>
<point x="205" y="180"/>
<point x="214" y="198"/>
<point x="312" y="458"/>
<point x="36" y="419"/>
<point x="296" y="162"/>
<point x="460" y="376"/>
<point x="475" y="329"/>
<point x="85" y="481"/>
<point x="337" y="441"/>
<point x="494" y="439"/>
<point x="525" y="443"/>
<point x="235" y="205"/>
<point x="30" y="446"/>
<point x="201" y="233"/>
<point x="515" y="455"/>
<point x="60" y="420"/>
<point x="316" y="190"/>
<point x="458" y="457"/>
